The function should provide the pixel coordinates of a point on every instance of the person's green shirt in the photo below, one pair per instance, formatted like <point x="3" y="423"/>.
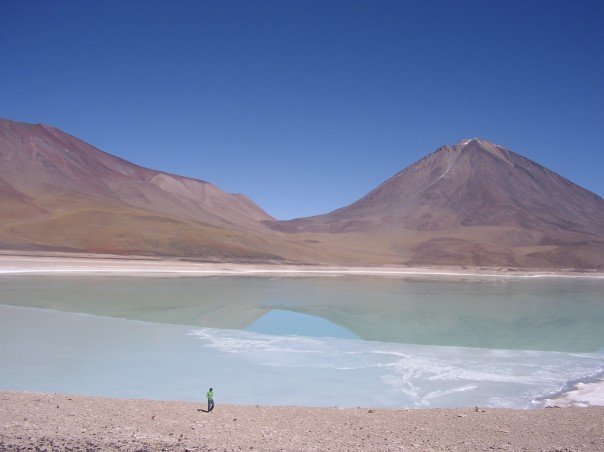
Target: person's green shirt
<point x="210" y="395"/>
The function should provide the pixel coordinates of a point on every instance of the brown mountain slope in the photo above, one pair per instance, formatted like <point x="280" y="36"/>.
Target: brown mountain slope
<point x="39" y="159"/>
<point x="475" y="203"/>
<point x="58" y="192"/>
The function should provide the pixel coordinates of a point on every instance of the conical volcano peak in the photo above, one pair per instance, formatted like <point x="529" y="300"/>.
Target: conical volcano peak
<point x="477" y="141"/>
<point x="480" y="144"/>
<point x="465" y="141"/>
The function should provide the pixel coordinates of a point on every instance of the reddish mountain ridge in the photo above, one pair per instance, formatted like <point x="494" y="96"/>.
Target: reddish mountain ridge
<point x="52" y="182"/>
<point x="39" y="158"/>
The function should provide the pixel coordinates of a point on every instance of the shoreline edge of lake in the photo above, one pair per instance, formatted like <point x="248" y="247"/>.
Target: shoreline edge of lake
<point x="104" y="265"/>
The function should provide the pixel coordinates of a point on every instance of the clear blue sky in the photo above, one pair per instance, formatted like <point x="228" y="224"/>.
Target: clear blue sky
<point x="305" y="106"/>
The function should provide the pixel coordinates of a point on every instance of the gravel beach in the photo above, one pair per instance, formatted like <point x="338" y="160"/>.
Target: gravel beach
<point x="63" y="422"/>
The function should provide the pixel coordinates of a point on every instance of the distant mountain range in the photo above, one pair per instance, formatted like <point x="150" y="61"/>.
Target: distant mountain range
<point x="471" y="204"/>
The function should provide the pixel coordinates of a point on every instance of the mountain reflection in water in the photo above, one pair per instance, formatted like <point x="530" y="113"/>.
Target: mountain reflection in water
<point x="553" y="314"/>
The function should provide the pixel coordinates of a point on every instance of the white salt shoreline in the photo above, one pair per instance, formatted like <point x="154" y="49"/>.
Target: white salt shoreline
<point x="119" y="266"/>
<point x="581" y="395"/>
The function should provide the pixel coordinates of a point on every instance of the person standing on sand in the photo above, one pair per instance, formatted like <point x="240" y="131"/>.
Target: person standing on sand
<point x="210" y="396"/>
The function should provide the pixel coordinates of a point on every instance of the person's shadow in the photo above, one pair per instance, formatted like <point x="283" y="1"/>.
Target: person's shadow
<point x="202" y="410"/>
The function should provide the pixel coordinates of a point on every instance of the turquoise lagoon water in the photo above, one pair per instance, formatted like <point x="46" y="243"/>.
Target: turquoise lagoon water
<point x="330" y="341"/>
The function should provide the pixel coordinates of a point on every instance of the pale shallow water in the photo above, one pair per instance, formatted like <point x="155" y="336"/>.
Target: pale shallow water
<point x="395" y="343"/>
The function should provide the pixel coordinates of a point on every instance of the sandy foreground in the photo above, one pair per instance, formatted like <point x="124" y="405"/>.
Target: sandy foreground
<point x="90" y="264"/>
<point x="62" y="422"/>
